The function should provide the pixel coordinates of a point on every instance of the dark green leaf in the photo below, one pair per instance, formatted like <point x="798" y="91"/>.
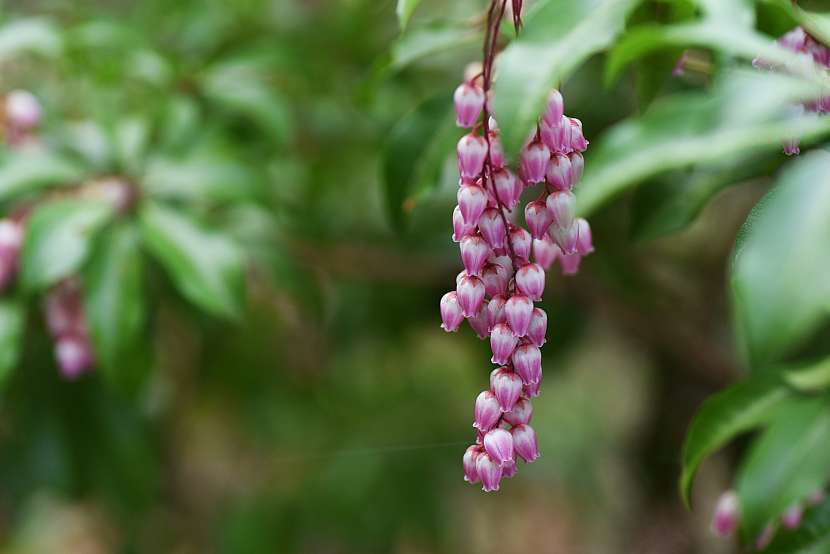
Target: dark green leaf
<point x="31" y="170"/>
<point x="206" y="267"/>
<point x="738" y="409"/>
<point x="12" y="319"/>
<point x="780" y="289"/>
<point x="404" y="11"/>
<point x="58" y="239"/>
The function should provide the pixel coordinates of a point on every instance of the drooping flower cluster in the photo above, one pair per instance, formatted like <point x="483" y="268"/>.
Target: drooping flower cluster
<point x="67" y="324"/>
<point x="505" y="265"/>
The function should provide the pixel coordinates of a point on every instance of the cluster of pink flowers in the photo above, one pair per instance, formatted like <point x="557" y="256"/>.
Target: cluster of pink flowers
<point x="21" y="116"/>
<point x="66" y="321"/>
<point x="727" y="516"/>
<point x="505" y="265"/>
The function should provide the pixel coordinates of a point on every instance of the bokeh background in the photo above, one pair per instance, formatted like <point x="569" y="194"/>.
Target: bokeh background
<point x="333" y="416"/>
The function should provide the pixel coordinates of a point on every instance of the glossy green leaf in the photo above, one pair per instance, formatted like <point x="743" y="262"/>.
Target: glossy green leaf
<point x="59" y="236"/>
<point x="744" y="115"/>
<point x="811" y="537"/>
<point x="415" y="153"/>
<point x="787" y="462"/>
<point x="404" y="11"/>
<point x="12" y="320"/>
<point x="558" y="35"/>
<point x="738" y="409"/>
<point x="30" y="35"/>
<point x="811" y="377"/>
<point x="28" y="171"/>
<point x="780" y="289"/>
<point x="113" y="292"/>
<point x="206" y="267"/>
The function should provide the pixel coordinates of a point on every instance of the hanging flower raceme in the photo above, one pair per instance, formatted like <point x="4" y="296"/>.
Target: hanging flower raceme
<point x="67" y="324"/>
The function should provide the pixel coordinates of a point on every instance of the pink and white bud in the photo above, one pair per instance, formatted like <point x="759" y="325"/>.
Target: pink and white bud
<point x="509" y="469"/>
<point x="559" y="172"/>
<point x="791" y="518"/>
<point x="489" y="471"/>
<point x="518" y="310"/>
<point x="556" y="136"/>
<point x="470" y="456"/>
<point x="494" y="283"/>
<point x="472" y="150"/>
<point x="531" y="390"/>
<point x="498" y="444"/>
<point x="495" y="311"/>
<point x="555" y="108"/>
<point x="472" y="201"/>
<point x="570" y="263"/>
<point x="791" y="147"/>
<point x="469" y="101"/>
<point x="530" y="280"/>
<point x="479" y="322"/>
<point x="11" y="239"/>
<point x="538" y="327"/>
<point x="534" y="162"/>
<point x="577" y="167"/>
<point x="502" y="343"/>
<point x="545" y="252"/>
<point x="521" y="242"/>
<point x="496" y="150"/>
<point x="578" y="142"/>
<point x="527" y="361"/>
<point x="487" y="411"/>
<point x="584" y="241"/>
<point x="507" y="386"/>
<point x="506" y="186"/>
<point x="470" y="294"/>
<point x="520" y="414"/>
<point x="524" y="442"/>
<point x="451" y="316"/>
<point x="538" y="218"/>
<point x="64" y="309"/>
<point x="565" y="237"/>
<point x="562" y="207"/>
<point x="460" y="229"/>
<point x="23" y="111"/>
<point x="474" y="254"/>
<point x="491" y="225"/>
<point x="503" y="261"/>
<point x="74" y="355"/>
<point x="726" y="517"/>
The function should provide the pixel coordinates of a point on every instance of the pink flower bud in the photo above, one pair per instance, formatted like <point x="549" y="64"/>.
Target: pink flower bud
<point x="534" y="162"/>
<point x="578" y="142"/>
<point x="495" y="311"/>
<point x="470" y="456"/>
<point x="459" y="228"/>
<point x="502" y="343"/>
<point x="505" y="185"/>
<point x="577" y="166"/>
<point x="23" y="111"/>
<point x="584" y="240"/>
<point x="74" y="355"/>
<point x="538" y="218"/>
<point x="556" y="136"/>
<point x="795" y="40"/>
<point x="474" y="254"/>
<point x="538" y="327"/>
<point x="479" y="323"/>
<point x="493" y="282"/>
<point x="555" y="108"/>
<point x="565" y="237"/>
<point x="559" y="172"/>
<point x="487" y="411"/>
<point x="531" y="390"/>
<point x="472" y="150"/>
<point x="520" y="414"/>
<point x="765" y="538"/>
<point x="472" y="201"/>
<point x="11" y="239"/>
<point x="570" y="263"/>
<point x="791" y="147"/>
<point x="469" y="100"/>
<point x="489" y="471"/>
<point x="503" y="261"/>
<point x="499" y="445"/>
<point x="562" y="206"/>
<point x="545" y="252"/>
<point x="524" y="442"/>
<point x="507" y="386"/>
<point x="725" y="519"/>
<point x="521" y="242"/>
<point x="451" y="316"/>
<point x="491" y="225"/>
<point x="509" y="469"/>
<point x="530" y="280"/>
<point x="791" y="518"/>
<point x="496" y="151"/>
<point x="527" y="361"/>
<point x="470" y="295"/>
<point x="518" y="310"/>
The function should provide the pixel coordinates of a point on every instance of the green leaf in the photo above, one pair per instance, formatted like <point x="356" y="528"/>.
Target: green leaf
<point x="12" y="320"/>
<point x="426" y="40"/>
<point x="58" y="239"/>
<point x="404" y="11"/>
<point x="30" y="35"/>
<point x="132" y="137"/>
<point x="780" y="289"/>
<point x="817" y="24"/>
<point x="734" y="12"/>
<point x="415" y="153"/>
<point x="206" y="267"/>
<point x="738" y="409"/>
<point x="812" y="377"/>
<point x="200" y="178"/>
<point x="557" y="37"/>
<point x="113" y="292"/>
<point x="28" y="171"/>
<point x="742" y="116"/>
<point x="788" y="461"/>
<point x="811" y="537"/>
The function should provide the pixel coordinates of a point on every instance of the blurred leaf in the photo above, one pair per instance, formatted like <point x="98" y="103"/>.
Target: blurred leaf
<point x="425" y="40"/>
<point x="415" y="152"/>
<point x="404" y="11"/>
<point x="811" y="537"/>
<point x="811" y="377"/>
<point x="27" y="171"/>
<point x="132" y="136"/>
<point x="788" y="461"/>
<point x="91" y="142"/>
<point x="738" y="409"/>
<point x="58" y="238"/>
<point x="780" y="289"/>
<point x="203" y="177"/>
<point x="12" y="320"/>
<point x="114" y="297"/>
<point x="179" y="123"/>
<point x="30" y="35"/>
<point x="206" y="267"/>
<point x="735" y="12"/>
<point x="742" y="116"/>
<point x="558" y="35"/>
